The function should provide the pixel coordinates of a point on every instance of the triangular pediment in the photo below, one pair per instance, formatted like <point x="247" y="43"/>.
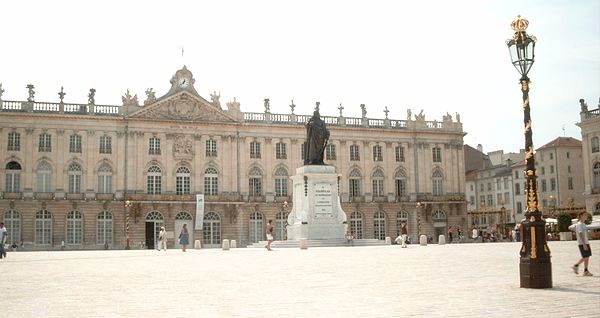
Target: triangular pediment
<point x="183" y="106"/>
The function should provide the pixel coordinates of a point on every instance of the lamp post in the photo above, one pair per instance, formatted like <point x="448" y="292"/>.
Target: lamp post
<point x="127" y="208"/>
<point x="419" y="219"/>
<point x="535" y="267"/>
<point x="284" y="207"/>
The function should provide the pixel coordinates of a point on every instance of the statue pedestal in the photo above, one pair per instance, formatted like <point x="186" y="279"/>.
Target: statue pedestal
<point x="316" y="213"/>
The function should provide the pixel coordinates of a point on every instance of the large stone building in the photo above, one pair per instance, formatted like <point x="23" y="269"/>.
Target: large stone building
<point x="590" y="136"/>
<point x="90" y="175"/>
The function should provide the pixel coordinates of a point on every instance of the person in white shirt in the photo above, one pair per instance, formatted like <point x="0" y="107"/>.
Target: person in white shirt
<point x="162" y="239"/>
<point x="3" y="239"/>
<point x="584" y="245"/>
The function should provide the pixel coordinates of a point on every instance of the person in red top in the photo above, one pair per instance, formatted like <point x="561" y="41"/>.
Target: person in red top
<point x="449" y="234"/>
<point x="404" y="232"/>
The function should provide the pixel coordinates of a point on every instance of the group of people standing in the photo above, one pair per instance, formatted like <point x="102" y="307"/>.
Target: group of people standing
<point x="184" y="238"/>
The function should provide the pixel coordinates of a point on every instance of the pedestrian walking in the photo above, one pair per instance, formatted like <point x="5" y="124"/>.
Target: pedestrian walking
<point x="184" y="237"/>
<point x="475" y="235"/>
<point x="162" y="239"/>
<point x="449" y="234"/>
<point x="460" y="234"/>
<point x="269" y="235"/>
<point x="584" y="245"/>
<point x="3" y="239"/>
<point x="404" y="232"/>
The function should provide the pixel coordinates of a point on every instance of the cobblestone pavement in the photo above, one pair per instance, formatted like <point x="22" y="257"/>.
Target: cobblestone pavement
<point x="458" y="280"/>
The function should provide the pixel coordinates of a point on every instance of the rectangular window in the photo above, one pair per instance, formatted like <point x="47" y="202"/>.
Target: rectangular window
<point x="354" y="153"/>
<point x="281" y="187"/>
<point x="506" y="198"/>
<point x="552" y="169"/>
<point x="498" y="184"/>
<point x="105" y="184"/>
<point x="517" y="188"/>
<point x="516" y="174"/>
<point x="401" y="187"/>
<point x="489" y="186"/>
<point x="499" y="198"/>
<point x="505" y="183"/>
<point x="74" y="183"/>
<point x="519" y="207"/>
<point x="154" y="184"/>
<point x="570" y="183"/>
<point x="472" y="187"/>
<point x="13" y="181"/>
<point x="255" y="187"/>
<point x="182" y="185"/>
<point x="552" y="184"/>
<point x="280" y="151"/>
<point x="543" y="170"/>
<point x="544" y="187"/>
<point x="482" y="199"/>
<point x="595" y="144"/>
<point x="154" y="146"/>
<point x="354" y="189"/>
<point x="551" y="156"/>
<point x="43" y="181"/>
<point x="378" y="188"/>
<point x="472" y="200"/>
<point x="45" y="144"/>
<point x="568" y="155"/>
<point x="211" y="148"/>
<point x="14" y="141"/>
<point x="438" y="188"/>
<point x="75" y="144"/>
<point x="377" y="153"/>
<point x="437" y="154"/>
<point x="254" y="150"/>
<point x="105" y="144"/>
<point x="330" y="152"/>
<point x="490" y="200"/>
<point x="481" y="187"/>
<point x="399" y="154"/>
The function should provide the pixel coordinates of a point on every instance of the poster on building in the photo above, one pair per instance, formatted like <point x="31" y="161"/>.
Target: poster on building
<point x="199" y="211"/>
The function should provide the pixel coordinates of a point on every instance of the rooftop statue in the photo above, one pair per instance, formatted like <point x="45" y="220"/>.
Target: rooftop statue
<point x="1" y="91"/>
<point x="317" y="136"/>
<point x="91" y="96"/>
<point x="151" y="97"/>
<point x="31" y="92"/>
<point x="214" y="97"/>
<point x="129" y="100"/>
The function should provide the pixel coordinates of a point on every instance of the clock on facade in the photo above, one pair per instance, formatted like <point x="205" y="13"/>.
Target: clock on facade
<point x="184" y="82"/>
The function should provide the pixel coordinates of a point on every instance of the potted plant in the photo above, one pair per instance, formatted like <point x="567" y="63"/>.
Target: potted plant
<point x="564" y="221"/>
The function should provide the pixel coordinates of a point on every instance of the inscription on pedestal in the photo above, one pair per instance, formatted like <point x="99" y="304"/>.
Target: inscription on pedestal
<point x="323" y="202"/>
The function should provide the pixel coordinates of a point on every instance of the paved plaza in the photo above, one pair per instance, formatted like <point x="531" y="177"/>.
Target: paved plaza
<point x="458" y="280"/>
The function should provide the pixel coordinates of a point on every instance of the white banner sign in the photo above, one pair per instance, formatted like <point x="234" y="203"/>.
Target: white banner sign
<point x="199" y="211"/>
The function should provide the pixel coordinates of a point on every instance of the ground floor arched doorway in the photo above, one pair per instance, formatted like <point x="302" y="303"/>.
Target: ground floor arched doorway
<point x="154" y="220"/>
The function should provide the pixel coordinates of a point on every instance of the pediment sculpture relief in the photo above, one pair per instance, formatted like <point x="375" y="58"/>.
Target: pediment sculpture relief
<point x="183" y="108"/>
<point x="183" y="147"/>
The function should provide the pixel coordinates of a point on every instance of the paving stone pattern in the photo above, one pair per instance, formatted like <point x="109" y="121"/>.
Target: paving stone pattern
<point x="457" y="280"/>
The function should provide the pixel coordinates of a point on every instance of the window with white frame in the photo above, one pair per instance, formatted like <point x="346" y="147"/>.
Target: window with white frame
<point x="74" y="228"/>
<point x="506" y="198"/>
<point x="437" y="182"/>
<point x="519" y="207"/>
<point x="154" y="146"/>
<point x="544" y="185"/>
<point x="570" y="183"/>
<point x="379" y="225"/>
<point x="104" y="228"/>
<point x="12" y="221"/>
<point x="254" y="150"/>
<point x="596" y="172"/>
<point x="211" y="148"/>
<point x="255" y="182"/>
<point x="211" y="229"/>
<point x="14" y="141"/>
<point x="154" y="180"/>
<point x="552" y="184"/>
<point x="517" y="188"/>
<point x="280" y="151"/>
<point x="354" y="183"/>
<point x="13" y="177"/>
<point x="401" y="217"/>
<point x="330" y="152"/>
<point x="281" y="182"/>
<point x="356" y="225"/>
<point x="400" y="183"/>
<point x="595" y="144"/>
<point x="399" y="154"/>
<point x="354" y="153"/>
<point x="43" y="227"/>
<point x="437" y="154"/>
<point x="105" y="175"/>
<point x="377" y="180"/>
<point x="75" y="143"/>
<point x="45" y="143"/>
<point x="74" y="174"/>
<point x="256" y="230"/>
<point x="377" y="153"/>
<point x="105" y="144"/>
<point x="182" y="181"/>
<point x="43" y="177"/>
<point x="211" y="181"/>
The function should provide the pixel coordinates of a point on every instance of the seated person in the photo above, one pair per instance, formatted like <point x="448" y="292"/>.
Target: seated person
<point x="349" y="237"/>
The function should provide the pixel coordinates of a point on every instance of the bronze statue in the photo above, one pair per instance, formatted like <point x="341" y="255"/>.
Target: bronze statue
<point x="317" y="136"/>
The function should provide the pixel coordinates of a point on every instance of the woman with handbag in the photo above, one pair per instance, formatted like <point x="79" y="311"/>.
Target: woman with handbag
<point x="184" y="237"/>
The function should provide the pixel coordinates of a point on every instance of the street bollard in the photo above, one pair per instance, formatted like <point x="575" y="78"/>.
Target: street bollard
<point x="233" y="244"/>
<point x="441" y="239"/>
<point x="226" y="245"/>
<point x="423" y="240"/>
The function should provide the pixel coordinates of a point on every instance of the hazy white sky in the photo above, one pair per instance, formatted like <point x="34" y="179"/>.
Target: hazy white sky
<point x="440" y="56"/>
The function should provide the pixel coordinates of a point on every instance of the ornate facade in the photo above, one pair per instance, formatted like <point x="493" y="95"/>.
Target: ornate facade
<point x="590" y="138"/>
<point x="69" y="169"/>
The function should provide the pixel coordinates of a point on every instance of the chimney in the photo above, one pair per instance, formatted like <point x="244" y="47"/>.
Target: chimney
<point x="479" y="148"/>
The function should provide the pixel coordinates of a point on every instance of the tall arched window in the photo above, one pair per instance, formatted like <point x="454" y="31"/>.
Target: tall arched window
<point x="256" y="228"/>
<point x="437" y="182"/>
<point x="379" y="225"/>
<point x="13" y="177"/>
<point x="43" y="177"/>
<point x="439" y="216"/>
<point x="74" y="228"/>
<point x="354" y="187"/>
<point x="595" y="143"/>
<point x="182" y="181"/>
<point x="105" y="178"/>
<point x="154" y="180"/>
<point x="401" y="217"/>
<point x="280" y="222"/>
<point x="377" y="179"/>
<point x="211" y="229"/>
<point x="356" y="225"/>
<point x="596" y="175"/>
<point x="211" y="181"/>
<point x="74" y="174"/>
<point x="43" y="227"/>
<point x="400" y="182"/>
<point x="12" y="221"/>
<point x="104" y="228"/>
<point x="281" y="182"/>
<point x="255" y="182"/>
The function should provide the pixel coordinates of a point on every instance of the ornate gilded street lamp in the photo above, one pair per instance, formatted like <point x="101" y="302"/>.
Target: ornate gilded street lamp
<point x="535" y="267"/>
<point x="419" y="205"/>
<point x="127" y="209"/>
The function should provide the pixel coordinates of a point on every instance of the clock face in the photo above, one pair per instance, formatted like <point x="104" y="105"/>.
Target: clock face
<point x="184" y="82"/>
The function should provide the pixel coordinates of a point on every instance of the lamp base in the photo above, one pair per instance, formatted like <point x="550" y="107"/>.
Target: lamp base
<point x="535" y="273"/>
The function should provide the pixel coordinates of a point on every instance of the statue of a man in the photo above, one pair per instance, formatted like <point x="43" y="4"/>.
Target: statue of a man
<point x="317" y="136"/>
